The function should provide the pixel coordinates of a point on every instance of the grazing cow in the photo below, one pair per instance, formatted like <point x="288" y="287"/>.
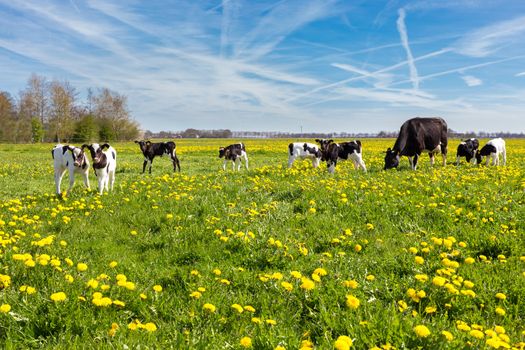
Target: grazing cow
<point x="104" y="164"/>
<point x="467" y="149"/>
<point x="234" y="153"/>
<point x="331" y="152"/>
<point x="493" y="149"/>
<point x="151" y="150"/>
<point x="419" y="135"/>
<point x="303" y="150"/>
<point x="69" y="158"/>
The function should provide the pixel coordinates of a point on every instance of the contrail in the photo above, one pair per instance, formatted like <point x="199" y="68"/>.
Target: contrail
<point x="404" y="40"/>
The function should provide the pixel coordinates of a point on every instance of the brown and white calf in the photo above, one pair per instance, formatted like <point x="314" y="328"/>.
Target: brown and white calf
<point x="151" y="150"/>
<point x="419" y="135"/>
<point x="69" y="158"/>
<point x="235" y="153"/>
<point x="304" y="150"/>
<point x="332" y="152"/>
<point x="104" y="165"/>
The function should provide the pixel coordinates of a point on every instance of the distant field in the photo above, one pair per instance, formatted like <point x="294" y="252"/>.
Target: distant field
<point x="269" y="257"/>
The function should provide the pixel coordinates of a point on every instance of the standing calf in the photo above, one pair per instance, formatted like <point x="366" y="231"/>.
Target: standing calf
<point x="467" y="149"/>
<point x="331" y="152"/>
<point x="104" y="164"/>
<point x="304" y="150"/>
<point x="234" y="153"/>
<point x="492" y="149"/>
<point x="69" y="158"/>
<point x="151" y="150"/>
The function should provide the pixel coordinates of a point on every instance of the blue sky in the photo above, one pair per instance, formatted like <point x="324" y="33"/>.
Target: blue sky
<point x="354" y="66"/>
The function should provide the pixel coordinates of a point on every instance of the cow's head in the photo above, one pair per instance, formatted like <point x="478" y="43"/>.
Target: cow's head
<point x="144" y="145"/>
<point x="222" y="152"/>
<point x="324" y="143"/>
<point x="478" y="157"/>
<point x="96" y="151"/>
<point x="313" y="150"/>
<point x="79" y="156"/>
<point x="391" y="159"/>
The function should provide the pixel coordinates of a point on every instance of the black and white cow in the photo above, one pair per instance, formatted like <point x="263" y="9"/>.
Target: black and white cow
<point x="492" y="150"/>
<point x="332" y="152"/>
<point x="151" y="150"/>
<point x="104" y="164"/>
<point x="234" y="153"/>
<point x="69" y="158"/>
<point x="467" y="149"/>
<point x="419" y="135"/>
<point x="304" y="150"/>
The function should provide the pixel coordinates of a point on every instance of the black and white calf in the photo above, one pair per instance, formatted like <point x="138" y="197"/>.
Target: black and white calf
<point x="151" y="150"/>
<point x="69" y="158"/>
<point x="467" y="149"/>
<point x="235" y="153"/>
<point x="492" y="150"/>
<point x="419" y="135"/>
<point x="304" y="150"/>
<point x="104" y="164"/>
<point x="332" y="152"/>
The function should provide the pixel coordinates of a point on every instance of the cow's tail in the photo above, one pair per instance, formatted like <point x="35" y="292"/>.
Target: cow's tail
<point x="290" y="148"/>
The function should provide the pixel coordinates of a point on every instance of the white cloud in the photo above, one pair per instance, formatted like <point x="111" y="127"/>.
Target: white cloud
<point x="471" y="80"/>
<point x="520" y="74"/>
<point x="401" y="27"/>
<point x="489" y="39"/>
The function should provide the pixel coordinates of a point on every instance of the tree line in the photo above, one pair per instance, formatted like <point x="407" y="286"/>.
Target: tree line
<point x="51" y="111"/>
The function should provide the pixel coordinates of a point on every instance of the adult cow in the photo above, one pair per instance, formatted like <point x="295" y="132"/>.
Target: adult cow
<point x="419" y="135"/>
<point x="467" y="149"/>
<point x="332" y="152"/>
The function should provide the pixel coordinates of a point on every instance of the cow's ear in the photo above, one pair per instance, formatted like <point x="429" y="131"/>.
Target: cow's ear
<point x="330" y="141"/>
<point x="317" y="140"/>
<point x="71" y="148"/>
<point x="106" y="145"/>
<point x="388" y="150"/>
<point x="136" y="141"/>
<point x="84" y="146"/>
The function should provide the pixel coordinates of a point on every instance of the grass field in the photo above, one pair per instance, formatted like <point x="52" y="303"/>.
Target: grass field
<point x="269" y="258"/>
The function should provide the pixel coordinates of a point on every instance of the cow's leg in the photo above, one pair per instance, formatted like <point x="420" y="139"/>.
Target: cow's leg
<point x="58" y="179"/>
<point x="411" y="161"/>
<point x="414" y="164"/>
<point x="224" y="164"/>
<point x="111" y="179"/>
<point x="233" y="163"/>
<point x="100" y="179"/>
<point x="144" y="165"/>
<point x="495" y="158"/>
<point x="488" y="160"/>
<point x="176" y="162"/>
<point x="504" y="154"/>
<point x="150" y="164"/>
<point x="291" y="159"/>
<point x="71" y="179"/>
<point x="331" y="166"/>
<point x="458" y="158"/>
<point x="85" y="176"/>
<point x="444" y="157"/>
<point x="431" y="158"/>
<point x="362" y="163"/>
<point x="315" y="162"/>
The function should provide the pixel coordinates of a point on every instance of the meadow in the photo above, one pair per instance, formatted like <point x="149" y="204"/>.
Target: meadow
<point x="269" y="258"/>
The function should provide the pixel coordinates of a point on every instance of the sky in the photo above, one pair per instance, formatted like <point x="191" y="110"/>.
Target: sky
<point x="284" y="65"/>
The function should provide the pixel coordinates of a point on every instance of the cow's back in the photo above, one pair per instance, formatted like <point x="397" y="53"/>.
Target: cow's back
<point x="419" y="134"/>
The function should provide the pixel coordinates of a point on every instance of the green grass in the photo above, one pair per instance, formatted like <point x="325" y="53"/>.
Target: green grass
<point x="257" y="227"/>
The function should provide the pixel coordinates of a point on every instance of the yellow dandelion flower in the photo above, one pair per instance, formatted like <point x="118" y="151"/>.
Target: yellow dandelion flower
<point x="157" y="288"/>
<point x="448" y="336"/>
<point x="343" y="342"/>
<point x="209" y="307"/>
<point x="58" y="297"/>
<point x="307" y="284"/>
<point x="256" y="320"/>
<point x="500" y="311"/>
<point x="271" y="322"/>
<point x="81" y="267"/>
<point x="113" y="264"/>
<point x="352" y="302"/>
<point x="246" y="342"/>
<point x="421" y="331"/>
<point x="238" y="308"/>
<point x="249" y="308"/>
<point x="150" y="327"/>
<point x="5" y="308"/>
<point x="288" y="286"/>
<point x="501" y="296"/>
<point x="477" y="334"/>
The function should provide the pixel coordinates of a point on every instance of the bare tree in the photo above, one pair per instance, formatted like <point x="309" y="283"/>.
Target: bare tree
<point x="62" y="108"/>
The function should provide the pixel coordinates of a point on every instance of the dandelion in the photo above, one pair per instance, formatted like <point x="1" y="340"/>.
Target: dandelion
<point x="500" y="311"/>
<point x="358" y="248"/>
<point x="352" y="302"/>
<point x="157" y="288"/>
<point x="58" y="297"/>
<point x="402" y="305"/>
<point x="256" y="320"/>
<point x="307" y="284"/>
<point x="288" y="286"/>
<point x="421" y="331"/>
<point x="439" y="281"/>
<point x="237" y="308"/>
<point x="448" y="336"/>
<point x="271" y="322"/>
<point x="5" y="308"/>
<point x="209" y="307"/>
<point x="370" y="278"/>
<point x="246" y="342"/>
<point x="343" y="342"/>
<point x="249" y="308"/>
<point x="150" y="327"/>
<point x="501" y="296"/>
<point x="369" y="226"/>
<point x="477" y="334"/>
<point x="81" y="267"/>
<point x="469" y="261"/>
<point x="196" y="294"/>
<point x="419" y="260"/>
<point x="351" y="284"/>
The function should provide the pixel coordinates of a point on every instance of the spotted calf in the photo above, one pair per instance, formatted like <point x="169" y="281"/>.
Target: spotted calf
<point x="492" y="150"/>
<point x="235" y="153"/>
<point x="304" y="150"/>
<point x="332" y="152"/>
<point x="104" y="164"/>
<point x="73" y="160"/>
